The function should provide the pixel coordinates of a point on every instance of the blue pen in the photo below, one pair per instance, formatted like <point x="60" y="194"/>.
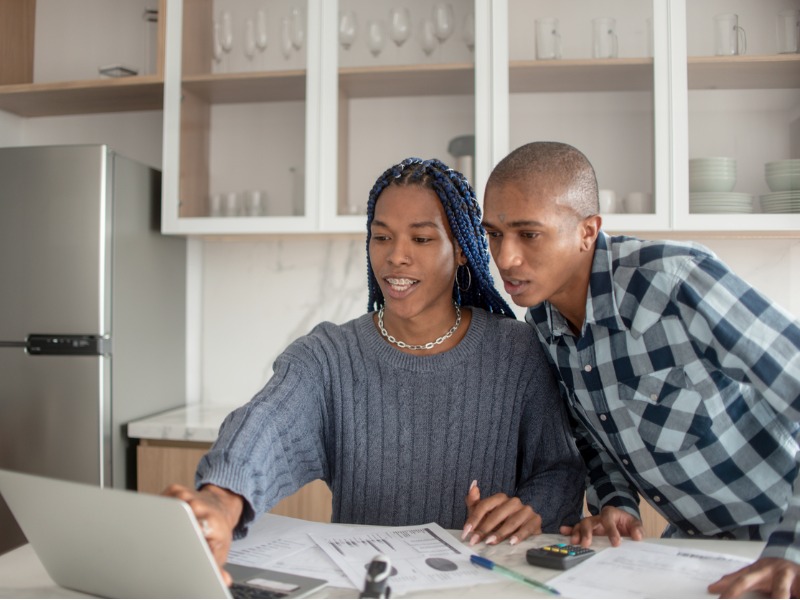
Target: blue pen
<point x="492" y="566"/>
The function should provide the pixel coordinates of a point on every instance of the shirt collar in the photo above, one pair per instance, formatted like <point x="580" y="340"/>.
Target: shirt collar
<point x="601" y="305"/>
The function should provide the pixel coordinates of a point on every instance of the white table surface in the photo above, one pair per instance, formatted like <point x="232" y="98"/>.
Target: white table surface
<point x="23" y="576"/>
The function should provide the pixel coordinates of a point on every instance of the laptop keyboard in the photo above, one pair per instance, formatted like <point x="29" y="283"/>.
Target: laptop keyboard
<point x="242" y="590"/>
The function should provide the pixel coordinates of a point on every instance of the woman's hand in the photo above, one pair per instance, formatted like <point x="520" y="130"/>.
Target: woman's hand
<point x="217" y="511"/>
<point x="497" y="518"/>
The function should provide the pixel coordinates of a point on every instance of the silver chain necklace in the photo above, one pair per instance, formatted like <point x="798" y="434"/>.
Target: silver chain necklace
<point x="427" y="346"/>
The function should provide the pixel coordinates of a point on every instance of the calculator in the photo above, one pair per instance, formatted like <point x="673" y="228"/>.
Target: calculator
<point x="558" y="556"/>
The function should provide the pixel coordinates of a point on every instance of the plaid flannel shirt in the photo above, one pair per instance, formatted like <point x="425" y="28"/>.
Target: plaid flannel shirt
<point x="685" y="387"/>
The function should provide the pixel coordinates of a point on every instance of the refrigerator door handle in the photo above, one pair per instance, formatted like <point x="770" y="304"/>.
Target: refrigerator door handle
<point x="40" y="344"/>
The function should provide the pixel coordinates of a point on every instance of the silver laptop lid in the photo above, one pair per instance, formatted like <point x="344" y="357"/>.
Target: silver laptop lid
<point x="113" y="543"/>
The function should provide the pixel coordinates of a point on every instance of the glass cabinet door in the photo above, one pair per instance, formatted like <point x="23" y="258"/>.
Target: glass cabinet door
<point x="582" y="72"/>
<point x="243" y="116"/>
<point x="743" y="157"/>
<point x="405" y="86"/>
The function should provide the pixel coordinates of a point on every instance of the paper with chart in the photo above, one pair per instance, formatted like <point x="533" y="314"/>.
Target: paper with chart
<point x="423" y="557"/>
<point x="642" y="570"/>
<point x="284" y="544"/>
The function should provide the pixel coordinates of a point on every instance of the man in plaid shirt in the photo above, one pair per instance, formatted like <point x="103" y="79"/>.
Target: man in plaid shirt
<point x="682" y="380"/>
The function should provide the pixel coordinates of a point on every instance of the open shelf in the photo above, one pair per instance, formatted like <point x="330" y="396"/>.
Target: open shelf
<point x="582" y="75"/>
<point x="145" y="92"/>
<point x="744" y="72"/>
<point x="408" y="80"/>
<point x="232" y="88"/>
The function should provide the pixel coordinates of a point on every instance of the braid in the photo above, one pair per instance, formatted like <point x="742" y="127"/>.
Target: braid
<point x="464" y="217"/>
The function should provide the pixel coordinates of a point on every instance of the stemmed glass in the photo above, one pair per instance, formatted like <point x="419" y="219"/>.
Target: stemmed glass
<point x="376" y="37"/>
<point x="348" y="28"/>
<point x="399" y="25"/>
<point x="469" y="30"/>
<point x="226" y="35"/>
<point x="250" y="39"/>
<point x="298" y="31"/>
<point x="427" y="36"/>
<point x="443" y="17"/>
<point x="217" y="34"/>
<point x="286" y="37"/>
<point x="261" y="29"/>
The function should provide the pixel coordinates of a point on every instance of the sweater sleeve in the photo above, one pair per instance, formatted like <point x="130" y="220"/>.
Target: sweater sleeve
<point x="273" y="445"/>
<point x="552" y="477"/>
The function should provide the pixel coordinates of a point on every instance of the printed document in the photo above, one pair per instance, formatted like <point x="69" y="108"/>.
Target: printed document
<point x="423" y="557"/>
<point x="642" y="570"/>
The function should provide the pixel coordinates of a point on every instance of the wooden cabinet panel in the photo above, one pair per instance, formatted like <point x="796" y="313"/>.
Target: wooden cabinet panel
<point x="161" y="463"/>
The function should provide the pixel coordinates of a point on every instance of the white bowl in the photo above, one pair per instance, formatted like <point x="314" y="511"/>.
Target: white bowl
<point x="712" y="184"/>
<point x="783" y="182"/>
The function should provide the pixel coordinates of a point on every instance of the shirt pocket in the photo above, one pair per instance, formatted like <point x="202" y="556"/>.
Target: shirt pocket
<point x="669" y="414"/>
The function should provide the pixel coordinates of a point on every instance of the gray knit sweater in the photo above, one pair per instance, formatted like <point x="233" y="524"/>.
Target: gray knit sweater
<point x="398" y="438"/>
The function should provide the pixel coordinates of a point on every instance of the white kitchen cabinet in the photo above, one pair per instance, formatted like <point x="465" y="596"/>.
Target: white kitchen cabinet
<point x="314" y="130"/>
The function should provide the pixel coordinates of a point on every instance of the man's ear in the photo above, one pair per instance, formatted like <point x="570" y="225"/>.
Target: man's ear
<point x="590" y="228"/>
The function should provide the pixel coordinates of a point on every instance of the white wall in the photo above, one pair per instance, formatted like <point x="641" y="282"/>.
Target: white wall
<point x="259" y="296"/>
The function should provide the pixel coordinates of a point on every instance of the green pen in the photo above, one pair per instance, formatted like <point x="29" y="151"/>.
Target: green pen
<point x="492" y="566"/>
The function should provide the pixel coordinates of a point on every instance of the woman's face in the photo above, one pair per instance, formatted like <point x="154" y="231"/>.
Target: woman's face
<point x="412" y="251"/>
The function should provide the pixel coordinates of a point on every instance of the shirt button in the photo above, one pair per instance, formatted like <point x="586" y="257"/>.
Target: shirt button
<point x="656" y="498"/>
<point x="587" y="368"/>
<point x="653" y="397"/>
<point x="603" y="417"/>
<point x="690" y="532"/>
<point x="625" y="462"/>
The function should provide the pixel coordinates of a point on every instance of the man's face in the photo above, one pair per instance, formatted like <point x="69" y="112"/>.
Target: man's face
<point x="535" y="242"/>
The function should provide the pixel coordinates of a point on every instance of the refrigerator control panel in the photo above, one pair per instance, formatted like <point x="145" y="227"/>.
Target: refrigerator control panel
<point x="58" y="344"/>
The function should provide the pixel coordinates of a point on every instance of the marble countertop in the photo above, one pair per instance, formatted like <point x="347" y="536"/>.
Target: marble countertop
<point x="190" y="423"/>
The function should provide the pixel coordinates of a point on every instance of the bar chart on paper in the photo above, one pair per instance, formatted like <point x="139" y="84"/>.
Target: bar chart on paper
<point x="423" y="557"/>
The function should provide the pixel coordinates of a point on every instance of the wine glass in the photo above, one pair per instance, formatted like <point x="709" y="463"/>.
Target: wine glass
<point x="399" y="25"/>
<point x="443" y="17"/>
<point x="469" y="30"/>
<point x="348" y="28"/>
<point x="286" y="37"/>
<point x="298" y="30"/>
<point x="427" y="36"/>
<point x="250" y="39"/>
<point x="217" y="34"/>
<point x="226" y="35"/>
<point x="376" y="37"/>
<point x="261" y="29"/>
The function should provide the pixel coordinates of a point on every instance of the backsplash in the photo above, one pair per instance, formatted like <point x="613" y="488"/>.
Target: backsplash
<point x="258" y="296"/>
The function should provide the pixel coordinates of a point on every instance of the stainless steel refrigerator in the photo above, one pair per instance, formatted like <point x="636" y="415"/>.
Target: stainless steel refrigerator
<point x="92" y="319"/>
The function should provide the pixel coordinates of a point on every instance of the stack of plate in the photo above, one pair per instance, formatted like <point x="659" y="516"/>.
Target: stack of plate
<point x="720" y="202"/>
<point x="716" y="174"/>
<point x="781" y="202"/>
<point x="783" y="178"/>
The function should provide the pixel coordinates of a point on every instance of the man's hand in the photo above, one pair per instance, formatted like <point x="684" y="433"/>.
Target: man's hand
<point x="773" y="577"/>
<point x="613" y="522"/>
<point x="497" y="517"/>
<point x="217" y="511"/>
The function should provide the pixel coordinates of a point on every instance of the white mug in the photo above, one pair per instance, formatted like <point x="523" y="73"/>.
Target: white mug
<point x="548" y="39"/>
<point x="789" y="32"/>
<point x="729" y="38"/>
<point x="639" y="202"/>
<point x="604" y="37"/>
<point x="608" y="201"/>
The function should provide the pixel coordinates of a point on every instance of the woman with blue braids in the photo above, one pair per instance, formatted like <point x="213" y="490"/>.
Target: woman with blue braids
<point x="436" y="405"/>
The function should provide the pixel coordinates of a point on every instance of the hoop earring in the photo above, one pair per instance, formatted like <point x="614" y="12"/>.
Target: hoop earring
<point x="469" y="278"/>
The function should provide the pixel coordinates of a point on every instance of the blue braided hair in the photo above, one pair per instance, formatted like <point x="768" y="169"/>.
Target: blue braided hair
<point x="463" y="215"/>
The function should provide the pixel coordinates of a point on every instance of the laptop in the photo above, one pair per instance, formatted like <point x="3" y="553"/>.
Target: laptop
<point x="123" y="544"/>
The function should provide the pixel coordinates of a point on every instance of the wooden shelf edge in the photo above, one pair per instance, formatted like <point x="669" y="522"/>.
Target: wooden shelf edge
<point x="89" y="96"/>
